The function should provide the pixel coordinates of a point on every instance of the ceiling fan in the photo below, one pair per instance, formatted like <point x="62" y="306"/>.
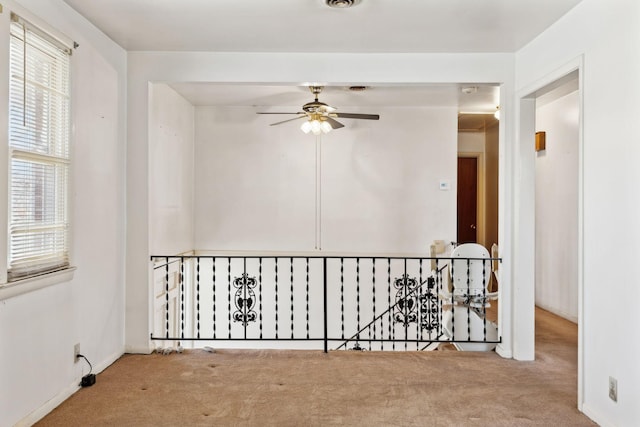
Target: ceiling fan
<point x="321" y="117"/>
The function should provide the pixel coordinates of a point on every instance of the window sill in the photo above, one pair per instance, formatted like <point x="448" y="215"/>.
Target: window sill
<point x="20" y="287"/>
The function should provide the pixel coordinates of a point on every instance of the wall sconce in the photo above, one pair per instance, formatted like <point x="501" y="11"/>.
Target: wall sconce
<point x="541" y="141"/>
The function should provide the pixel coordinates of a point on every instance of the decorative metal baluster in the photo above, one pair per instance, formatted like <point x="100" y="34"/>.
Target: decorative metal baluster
<point x="342" y="296"/>
<point x="229" y="293"/>
<point x="182" y="297"/>
<point x="391" y="325"/>
<point x="358" y="300"/>
<point x="468" y="299"/>
<point x="166" y="295"/>
<point x="198" y="297"/>
<point x="260" y="292"/>
<point x="213" y="273"/>
<point x="405" y="305"/>
<point x="484" y="299"/>
<point x="419" y="296"/>
<point x="373" y="293"/>
<point x="325" y="323"/>
<point x="276" y="277"/>
<point x="245" y="304"/>
<point x="307" y="296"/>
<point x="453" y="292"/>
<point x="291" y="273"/>
<point x="439" y="279"/>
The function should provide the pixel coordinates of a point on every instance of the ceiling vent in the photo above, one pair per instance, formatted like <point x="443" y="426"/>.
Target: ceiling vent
<point x="342" y="4"/>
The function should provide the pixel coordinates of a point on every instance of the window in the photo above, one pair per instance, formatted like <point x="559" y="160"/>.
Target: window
<point x="39" y="130"/>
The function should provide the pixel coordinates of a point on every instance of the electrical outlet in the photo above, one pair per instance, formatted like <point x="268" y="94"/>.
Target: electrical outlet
<point x="76" y="352"/>
<point x="613" y="389"/>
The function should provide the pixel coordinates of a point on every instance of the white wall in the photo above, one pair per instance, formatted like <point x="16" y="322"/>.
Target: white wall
<point x="256" y="187"/>
<point x="471" y="142"/>
<point x="557" y="207"/>
<point x="273" y="68"/>
<point x="39" y="329"/>
<point x="171" y="171"/>
<point x="606" y="34"/>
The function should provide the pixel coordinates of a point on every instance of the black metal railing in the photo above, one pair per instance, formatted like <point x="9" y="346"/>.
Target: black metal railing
<point x="373" y="303"/>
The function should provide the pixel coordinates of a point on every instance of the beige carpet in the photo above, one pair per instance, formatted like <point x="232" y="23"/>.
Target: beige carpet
<point x="308" y="388"/>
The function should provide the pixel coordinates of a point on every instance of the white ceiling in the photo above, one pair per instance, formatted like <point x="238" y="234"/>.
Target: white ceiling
<point x="484" y="98"/>
<point x="310" y="26"/>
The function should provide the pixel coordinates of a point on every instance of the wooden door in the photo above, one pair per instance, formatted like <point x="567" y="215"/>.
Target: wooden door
<point x="467" y="199"/>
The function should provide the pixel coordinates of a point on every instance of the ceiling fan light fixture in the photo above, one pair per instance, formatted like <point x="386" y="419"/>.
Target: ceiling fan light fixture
<point x="325" y="127"/>
<point x="306" y="126"/>
<point x="316" y="126"/>
<point x="341" y="4"/>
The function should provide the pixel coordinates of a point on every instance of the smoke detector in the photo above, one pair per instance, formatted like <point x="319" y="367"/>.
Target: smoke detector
<point x="341" y="4"/>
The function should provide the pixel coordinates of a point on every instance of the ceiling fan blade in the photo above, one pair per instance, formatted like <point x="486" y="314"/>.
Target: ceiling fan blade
<point x="288" y="120"/>
<point x="334" y="123"/>
<point x="259" y="112"/>
<point x="358" y="116"/>
<point x="326" y="109"/>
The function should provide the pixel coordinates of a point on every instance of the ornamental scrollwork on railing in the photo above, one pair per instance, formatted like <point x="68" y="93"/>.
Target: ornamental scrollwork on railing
<point x="406" y="300"/>
<point x="429" y="319"/>
<point x="245" y="299"/>
<point x="412" y="302"/>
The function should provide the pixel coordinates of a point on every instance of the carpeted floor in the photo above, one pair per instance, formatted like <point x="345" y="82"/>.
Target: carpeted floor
<point x="310" y="388"/>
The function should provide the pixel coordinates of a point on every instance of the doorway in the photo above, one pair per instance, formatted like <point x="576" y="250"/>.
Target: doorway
<point x="526" y="212"/>
<point x="467" y="198"/>
<point x="556" y="201"/>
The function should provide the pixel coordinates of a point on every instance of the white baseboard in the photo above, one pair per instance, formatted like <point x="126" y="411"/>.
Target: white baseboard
<point x="49" y="406"/>
<point x="504" y="352"/>
<point x="137" y="350"/>
<point x="596" y="417"/>
<point x="562" y="314"/>
<point x="108" y="362"/>
<point x="64" y="394"/>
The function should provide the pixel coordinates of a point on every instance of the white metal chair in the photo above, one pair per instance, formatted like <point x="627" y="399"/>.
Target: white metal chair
<point x="470" y="276"/>
<point x="468" y="296"/>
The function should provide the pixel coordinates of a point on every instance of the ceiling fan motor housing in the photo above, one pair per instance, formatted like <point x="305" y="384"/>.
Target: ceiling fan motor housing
<point x="342" y="3"/>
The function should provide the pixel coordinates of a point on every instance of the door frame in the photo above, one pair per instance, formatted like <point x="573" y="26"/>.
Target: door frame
<point x="524" y="218"/>
<point x="481" y="194"/>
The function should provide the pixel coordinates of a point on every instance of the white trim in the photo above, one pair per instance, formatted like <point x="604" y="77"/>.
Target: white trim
<point x="559" y="313"/>
<point x="597" y="417"/>
<point x="504" y="352"/>
<point x="63" y="395"/>
<point x="34" y="21"/>
<point x="49" y="406"/>
<point x="30" y="284"/>
<point x="529" y="91"/>
<point x="138" y="350"/>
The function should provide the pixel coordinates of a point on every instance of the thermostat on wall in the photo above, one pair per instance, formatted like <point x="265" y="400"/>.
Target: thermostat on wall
<point x="444" y="185"/>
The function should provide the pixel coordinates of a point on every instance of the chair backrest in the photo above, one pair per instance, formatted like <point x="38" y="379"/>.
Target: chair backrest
<point x="470" y="275"/>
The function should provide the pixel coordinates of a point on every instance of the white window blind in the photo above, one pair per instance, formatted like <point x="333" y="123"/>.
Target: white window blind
<point x="39" y="124"/>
